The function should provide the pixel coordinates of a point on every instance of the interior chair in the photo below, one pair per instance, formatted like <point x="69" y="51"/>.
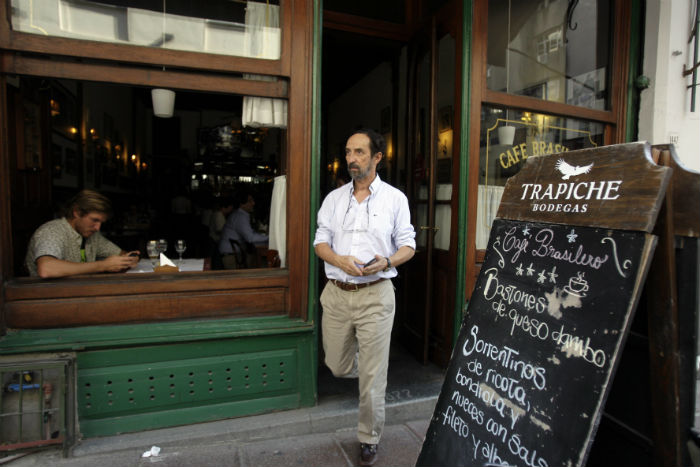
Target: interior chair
<point x="239" y="254"/>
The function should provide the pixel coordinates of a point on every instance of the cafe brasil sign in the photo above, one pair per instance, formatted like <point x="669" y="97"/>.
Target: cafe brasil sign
<point x="519" y="152"/>
<point x="532" y="141"/>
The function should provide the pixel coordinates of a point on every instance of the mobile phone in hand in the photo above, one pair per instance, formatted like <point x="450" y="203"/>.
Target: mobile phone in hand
<point x="370" y="262"/>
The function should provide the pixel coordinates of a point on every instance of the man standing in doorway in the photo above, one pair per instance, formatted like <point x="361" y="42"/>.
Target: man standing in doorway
<point x="364" y="232"/>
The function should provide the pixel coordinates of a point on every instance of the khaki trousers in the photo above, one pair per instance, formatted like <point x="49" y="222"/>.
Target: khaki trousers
<point x="356" y="336"/>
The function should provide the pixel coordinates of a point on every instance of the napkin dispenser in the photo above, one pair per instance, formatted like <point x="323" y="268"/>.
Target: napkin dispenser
<point x="166" y="266"/>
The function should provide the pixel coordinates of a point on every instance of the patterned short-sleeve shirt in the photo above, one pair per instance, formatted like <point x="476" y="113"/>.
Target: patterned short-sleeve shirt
<point x="59" y="239"/>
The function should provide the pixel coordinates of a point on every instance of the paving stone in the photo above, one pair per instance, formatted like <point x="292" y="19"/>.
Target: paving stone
<point x="307" y="451"/>
<point x="399" y="446"/>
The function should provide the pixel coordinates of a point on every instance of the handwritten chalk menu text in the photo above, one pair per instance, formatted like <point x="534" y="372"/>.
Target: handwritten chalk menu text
<point x="538" y="346"/>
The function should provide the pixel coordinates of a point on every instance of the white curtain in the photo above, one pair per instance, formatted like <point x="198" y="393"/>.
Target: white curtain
<point x="262" y="27"/>
<point x="264" y="111"/>
<point x="487" y="208"/>
<point x="278" y="218"/>
<point x="263" y="41"/>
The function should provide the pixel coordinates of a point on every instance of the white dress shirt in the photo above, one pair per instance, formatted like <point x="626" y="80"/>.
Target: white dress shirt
<point x="380" y="225"/>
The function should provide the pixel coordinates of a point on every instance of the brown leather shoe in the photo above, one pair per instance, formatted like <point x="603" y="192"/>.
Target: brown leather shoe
<point x="368" y="454"/>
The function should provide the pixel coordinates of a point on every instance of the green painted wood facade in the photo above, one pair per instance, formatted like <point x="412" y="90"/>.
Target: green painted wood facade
<point x="144" y="376"/>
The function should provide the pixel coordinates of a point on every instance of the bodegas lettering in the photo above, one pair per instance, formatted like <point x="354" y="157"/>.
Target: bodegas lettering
<point x="569" y="196"/>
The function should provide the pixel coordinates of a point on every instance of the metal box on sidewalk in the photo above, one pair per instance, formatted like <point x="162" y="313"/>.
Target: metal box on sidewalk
<point x="37" y="401"/>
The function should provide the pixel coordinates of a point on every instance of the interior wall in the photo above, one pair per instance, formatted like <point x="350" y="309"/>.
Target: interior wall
<point x="664" y="113"/>
<point x="102" y="101"/>
<point x="360" y="105"/>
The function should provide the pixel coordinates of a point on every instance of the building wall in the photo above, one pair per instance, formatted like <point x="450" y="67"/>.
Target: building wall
<point x="664" y="114"/>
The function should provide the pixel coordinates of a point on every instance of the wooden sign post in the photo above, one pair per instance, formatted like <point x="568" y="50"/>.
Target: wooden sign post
<point x="540" y="341"/>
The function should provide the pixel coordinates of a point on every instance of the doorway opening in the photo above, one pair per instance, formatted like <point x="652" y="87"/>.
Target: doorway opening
<point x="363" y="86"/>
<point x="406" y="88"/>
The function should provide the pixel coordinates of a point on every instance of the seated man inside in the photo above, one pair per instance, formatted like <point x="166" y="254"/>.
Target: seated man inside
<point x="73" y="244"/>
<point x="239" y="234"/>
<point x="222" y="208"/>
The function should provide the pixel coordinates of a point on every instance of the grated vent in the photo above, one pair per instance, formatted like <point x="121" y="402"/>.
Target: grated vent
<point x="145" y="387"/>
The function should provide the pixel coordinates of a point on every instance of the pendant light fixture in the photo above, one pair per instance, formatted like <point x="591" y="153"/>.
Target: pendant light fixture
<point x="163" y="99"/>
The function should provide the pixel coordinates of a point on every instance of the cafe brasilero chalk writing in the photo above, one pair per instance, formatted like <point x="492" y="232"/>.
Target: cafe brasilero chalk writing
<point x="520" y="152"/>
<point x="537" y="346"/>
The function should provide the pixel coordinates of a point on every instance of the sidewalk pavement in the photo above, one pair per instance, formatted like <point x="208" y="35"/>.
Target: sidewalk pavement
<point x="243" y="442"/>
<point x="324" y="435"/>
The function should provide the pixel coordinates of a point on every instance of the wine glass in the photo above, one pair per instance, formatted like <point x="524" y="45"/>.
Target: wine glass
<point x="152" y="250"/>
<point x="162" y="245"/>
<point x="180" y="247"/>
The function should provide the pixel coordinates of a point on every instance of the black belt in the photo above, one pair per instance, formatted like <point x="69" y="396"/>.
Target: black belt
<point x="354" y="287"/>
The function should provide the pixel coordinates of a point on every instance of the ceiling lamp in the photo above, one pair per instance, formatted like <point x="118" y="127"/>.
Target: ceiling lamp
<point x="163" y="102"/>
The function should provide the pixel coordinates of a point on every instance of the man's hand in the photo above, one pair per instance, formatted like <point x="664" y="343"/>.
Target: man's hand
<point x="379" y="265"/>
<point x="349" y="264"/>
<point x="119" y="263"/>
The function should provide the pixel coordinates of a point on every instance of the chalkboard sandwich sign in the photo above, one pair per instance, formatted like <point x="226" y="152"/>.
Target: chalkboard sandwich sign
<point x="540" y="341"/>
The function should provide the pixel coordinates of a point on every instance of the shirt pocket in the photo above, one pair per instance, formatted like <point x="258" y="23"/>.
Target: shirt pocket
<point x="381" y="221"/>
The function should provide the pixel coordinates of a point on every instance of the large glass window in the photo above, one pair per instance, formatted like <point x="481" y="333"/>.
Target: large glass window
<point x="166" y="177"/>
<point x="239" y="28"/>
<point x="554" y="50"/>
<point x="508" y="138"/>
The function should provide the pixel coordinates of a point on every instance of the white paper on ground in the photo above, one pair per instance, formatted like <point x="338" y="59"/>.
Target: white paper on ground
<point x="154" y="451"/>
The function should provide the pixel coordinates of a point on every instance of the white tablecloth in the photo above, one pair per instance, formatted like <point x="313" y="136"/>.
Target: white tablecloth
<point x="188" y="264"/>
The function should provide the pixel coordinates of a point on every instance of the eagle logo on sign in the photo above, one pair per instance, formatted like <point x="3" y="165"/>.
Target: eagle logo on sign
<point x="568" y="170"/>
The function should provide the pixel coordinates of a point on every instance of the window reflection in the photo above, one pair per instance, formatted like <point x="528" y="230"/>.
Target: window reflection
<point x="531" y="50"/>
<point x="508" y="138"/>
<point x="163" y="176"/>
<point x="240" y="28"/>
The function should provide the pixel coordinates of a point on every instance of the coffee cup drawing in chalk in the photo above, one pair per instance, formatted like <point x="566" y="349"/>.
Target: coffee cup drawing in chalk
<point x="577" y="285"/>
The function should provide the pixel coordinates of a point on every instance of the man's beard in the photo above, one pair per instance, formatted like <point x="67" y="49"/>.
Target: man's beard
<point x="361" y="174"/>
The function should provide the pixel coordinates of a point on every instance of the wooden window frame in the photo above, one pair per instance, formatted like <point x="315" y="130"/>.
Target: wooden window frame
<point x="613" y="120"/>
<point x="26" y="301"/>
<point x="125" y="53"/>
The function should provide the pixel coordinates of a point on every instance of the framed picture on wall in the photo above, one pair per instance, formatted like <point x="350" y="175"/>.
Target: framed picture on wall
<point x="64" y="111"/>
<point x="444" y="149"/>
<point x="108" y="127"/>
<point x="445" y="119"/>
<point x="56" y="160"/>
<point x="30" y="147"/>
<point x="64" y="161"/>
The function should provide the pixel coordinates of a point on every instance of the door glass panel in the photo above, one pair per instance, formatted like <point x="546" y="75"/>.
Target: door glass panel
<point x="556" y="51"/>
<point x="244" y="29"/>
<point x="421" y="163"/>
<point x="445" y="129"/>
<point x="508" y="138"/>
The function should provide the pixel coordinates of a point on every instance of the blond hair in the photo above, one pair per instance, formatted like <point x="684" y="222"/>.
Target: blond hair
<point x="88" y="201"/>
